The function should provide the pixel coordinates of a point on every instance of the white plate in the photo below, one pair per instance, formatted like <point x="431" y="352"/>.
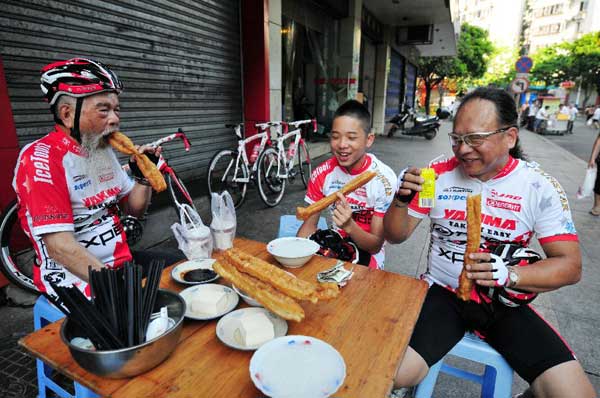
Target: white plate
<point x="179" y="270"/>
<point x="230" y="335"/>
<point x="249" y="300"/>
<point x="297" y="367"/>
<point x="189" y="293"/>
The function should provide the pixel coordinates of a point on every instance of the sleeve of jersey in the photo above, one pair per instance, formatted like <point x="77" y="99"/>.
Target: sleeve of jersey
<point x="385" y="193"/>
<point x="44" y="192"/>
<point x="314" y="191"/>
<point x="553" y="220"/>
<point x="126" y="184"/>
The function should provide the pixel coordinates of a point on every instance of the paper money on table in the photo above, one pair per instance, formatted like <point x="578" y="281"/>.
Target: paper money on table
<point x="336" y="274"/>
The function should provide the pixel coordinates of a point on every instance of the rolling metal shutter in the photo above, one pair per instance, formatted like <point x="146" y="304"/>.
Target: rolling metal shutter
<point x="411" y="84"/>
<point x="179" y="62"/>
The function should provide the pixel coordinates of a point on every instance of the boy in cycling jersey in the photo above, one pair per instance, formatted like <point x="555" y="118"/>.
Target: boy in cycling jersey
<point x="358" y="216"/>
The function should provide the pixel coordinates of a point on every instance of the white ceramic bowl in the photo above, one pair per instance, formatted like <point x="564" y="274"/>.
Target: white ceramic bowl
<point x="292" y="252"/>
<point x="249" y="300"/>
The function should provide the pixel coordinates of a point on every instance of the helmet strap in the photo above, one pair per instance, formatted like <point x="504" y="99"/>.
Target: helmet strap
<point x="75" y="133"/>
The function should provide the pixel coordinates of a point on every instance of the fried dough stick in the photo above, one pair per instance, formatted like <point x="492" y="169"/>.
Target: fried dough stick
<point x="269" y="273"/>
<point x="123" y="144"/>
<point x="465" y="285"/>
<point x="273" y="300"/>
<point x="327" y="291"/>
<point x="303" y="213"/>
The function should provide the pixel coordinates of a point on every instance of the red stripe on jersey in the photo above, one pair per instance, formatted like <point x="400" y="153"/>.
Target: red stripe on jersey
<point x="364" y="166"/>
<point x="508" y="167"/>
<point x="559" y="238"/>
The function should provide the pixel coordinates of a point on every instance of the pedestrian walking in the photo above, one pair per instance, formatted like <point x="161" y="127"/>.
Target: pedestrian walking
<point x="572" y="116"/>
<point x="533" y="108"/>
<point x="594" y="162"/>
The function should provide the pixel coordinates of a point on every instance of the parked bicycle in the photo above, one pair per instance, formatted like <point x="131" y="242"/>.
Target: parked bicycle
<point x="17" y="256"/>
<point x="276" y="166"/>
<point x="232" y="170"/>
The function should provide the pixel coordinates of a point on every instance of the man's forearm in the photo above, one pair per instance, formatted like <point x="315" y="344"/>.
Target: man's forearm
<point x="139" y="199"/>
<point x="396" y="222"/>
<point x="65" y="250"/>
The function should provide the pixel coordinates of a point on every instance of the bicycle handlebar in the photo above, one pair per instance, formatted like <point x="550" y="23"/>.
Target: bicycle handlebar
<point x="299" y="123"/>
<point x="179" y="134"/>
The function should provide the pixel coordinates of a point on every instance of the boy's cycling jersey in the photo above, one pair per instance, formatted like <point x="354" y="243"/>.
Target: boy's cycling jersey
<point x="372" y="199"/>
<point x="56" y="195"/>
<point x="519" y="201"/>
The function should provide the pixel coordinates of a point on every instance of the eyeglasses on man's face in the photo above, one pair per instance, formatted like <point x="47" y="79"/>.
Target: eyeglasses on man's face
<point x="474" y="139"/>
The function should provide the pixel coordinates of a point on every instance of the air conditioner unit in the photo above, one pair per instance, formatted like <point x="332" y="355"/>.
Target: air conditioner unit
<point x="418" y="34"/>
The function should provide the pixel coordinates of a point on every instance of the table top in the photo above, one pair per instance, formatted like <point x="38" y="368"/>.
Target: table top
<point x="369" y="323"/>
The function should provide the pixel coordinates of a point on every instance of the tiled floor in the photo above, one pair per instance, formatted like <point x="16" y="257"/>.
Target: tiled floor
<point x="17" y="370"/>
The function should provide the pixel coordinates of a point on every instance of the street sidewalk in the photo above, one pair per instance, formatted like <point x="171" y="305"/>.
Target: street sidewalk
<point x="572" y="310"/>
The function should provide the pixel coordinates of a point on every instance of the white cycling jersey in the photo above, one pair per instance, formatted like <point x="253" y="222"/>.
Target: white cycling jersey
<point x="56" y="195"/>
<point x="372" y="199"/>
<point x="520" y="201"/>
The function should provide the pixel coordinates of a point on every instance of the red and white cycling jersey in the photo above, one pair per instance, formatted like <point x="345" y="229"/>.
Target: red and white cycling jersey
<point x="372" y="199"/>
<point x="519" y="201"/>
<point x="55" y="195"/>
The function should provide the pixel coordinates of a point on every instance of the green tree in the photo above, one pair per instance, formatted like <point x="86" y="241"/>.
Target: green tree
<point x="578" y="61"/>
<point x="473" y="48"/>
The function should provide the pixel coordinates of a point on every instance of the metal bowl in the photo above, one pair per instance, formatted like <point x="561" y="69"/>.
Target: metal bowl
<point x="131" y="361"/>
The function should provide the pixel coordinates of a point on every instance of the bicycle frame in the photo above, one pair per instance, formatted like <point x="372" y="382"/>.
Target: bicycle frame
<point x="282" y="136"/>
<point x="242" y="155"/>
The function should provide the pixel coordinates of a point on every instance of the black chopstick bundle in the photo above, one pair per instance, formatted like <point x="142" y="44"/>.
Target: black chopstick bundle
<point x="120" y="308"/>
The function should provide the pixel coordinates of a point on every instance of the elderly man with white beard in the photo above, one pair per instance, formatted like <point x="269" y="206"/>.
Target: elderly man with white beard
<point x="69" y="183"/>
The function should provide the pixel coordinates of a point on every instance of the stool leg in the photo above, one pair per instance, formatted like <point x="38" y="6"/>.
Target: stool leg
<point x="503" y="385"/>
<point x="84" y="392"/>
<point x="41" y="377"/>
<point x="489" y="382"/>
<point x="425" y="387"/>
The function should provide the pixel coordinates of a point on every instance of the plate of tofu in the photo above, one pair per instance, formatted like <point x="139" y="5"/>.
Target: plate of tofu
<point x="209" y="301"/>
<point x="249" y="328"/>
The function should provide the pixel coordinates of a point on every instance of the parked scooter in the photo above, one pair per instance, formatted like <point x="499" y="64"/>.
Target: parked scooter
<point x="427" y="128"/>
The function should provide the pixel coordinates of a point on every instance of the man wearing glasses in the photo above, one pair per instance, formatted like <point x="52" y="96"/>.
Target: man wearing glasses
<point x="518" y="201"/>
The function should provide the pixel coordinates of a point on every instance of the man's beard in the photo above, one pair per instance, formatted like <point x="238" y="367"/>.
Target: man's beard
<point x="100" y="164"/>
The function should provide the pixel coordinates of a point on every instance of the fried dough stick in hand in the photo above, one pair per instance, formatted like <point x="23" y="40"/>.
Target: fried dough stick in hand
<point x="123" y="144"/>
<point x="273" y="300"/>
<point x="303" y="213"/>
<point x="465" y="285"/>
<point x="269" y="273"/>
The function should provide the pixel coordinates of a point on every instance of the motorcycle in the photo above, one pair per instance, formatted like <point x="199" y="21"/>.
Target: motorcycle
<point x="427" y="127"/>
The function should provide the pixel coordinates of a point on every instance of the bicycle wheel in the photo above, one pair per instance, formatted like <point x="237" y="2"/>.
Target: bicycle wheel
<point x="270" y="187"/>
<point x="178" y="191"/>
<point x="304" y="167"/>
<point x="220" y="176"/>
<point x="17" y="254"/>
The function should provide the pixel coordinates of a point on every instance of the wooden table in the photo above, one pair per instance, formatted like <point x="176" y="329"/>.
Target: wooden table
<point x="370" y="324"/>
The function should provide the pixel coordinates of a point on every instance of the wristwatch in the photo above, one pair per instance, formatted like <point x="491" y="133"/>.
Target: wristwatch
<point x="513" y="277"/>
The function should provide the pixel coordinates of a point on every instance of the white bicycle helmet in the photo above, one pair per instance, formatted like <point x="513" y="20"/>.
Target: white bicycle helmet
<point x="77" y="77"/>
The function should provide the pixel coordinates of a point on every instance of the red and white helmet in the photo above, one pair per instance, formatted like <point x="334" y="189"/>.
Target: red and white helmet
<point x="517" y="256"/>
<point x="77" y="77"/>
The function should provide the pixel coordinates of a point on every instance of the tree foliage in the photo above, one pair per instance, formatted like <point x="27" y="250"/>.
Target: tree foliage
<point x="577" y="61"/>
<point x="474" y="49"/>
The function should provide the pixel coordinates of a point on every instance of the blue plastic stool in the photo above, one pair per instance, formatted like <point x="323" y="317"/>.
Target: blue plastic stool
<point x="43" y="314"/>
<point x="289" y="225"/>
<point x="496" y="381"/>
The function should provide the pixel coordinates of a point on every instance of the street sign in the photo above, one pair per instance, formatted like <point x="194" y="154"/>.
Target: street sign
<point x="524" y="64"/>
<point x="519" y="75"/>
<point x="519" y="85"/>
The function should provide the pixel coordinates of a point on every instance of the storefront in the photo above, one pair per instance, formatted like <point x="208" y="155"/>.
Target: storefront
<point x="180" y="64"/>
<point x="410" y="85"/>
<point x="312" y="84"/>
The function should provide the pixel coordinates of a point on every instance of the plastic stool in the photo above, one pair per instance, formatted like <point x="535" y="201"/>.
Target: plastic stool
<point x="43" y="314"/>
<point x="289" y="225"/>
<point x="496" y="381"/>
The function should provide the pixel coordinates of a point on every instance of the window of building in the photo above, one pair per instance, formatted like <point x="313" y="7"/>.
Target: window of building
<point x="548" y="10"/>
<point x="549" y="29"/>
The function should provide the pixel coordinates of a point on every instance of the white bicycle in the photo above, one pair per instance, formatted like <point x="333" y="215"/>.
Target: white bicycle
<point x="277" y="165"/>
